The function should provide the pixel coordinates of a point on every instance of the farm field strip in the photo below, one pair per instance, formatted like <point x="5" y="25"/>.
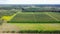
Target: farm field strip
<point x="56" y="15"/>
<point x="32" y="12"/>
<point x="41" y="16"/>
<point x="38" y="26"/>
<point x="31" y="27"/>
<point x="52" y="16"/>
<point x="34" y="17"/>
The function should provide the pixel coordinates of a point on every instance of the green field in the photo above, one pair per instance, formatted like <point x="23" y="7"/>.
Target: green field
<point x="36" y="17"/>
<point x="31" y="27"/>
<point x="39" y="27"/>
<point x="55" y="14"/>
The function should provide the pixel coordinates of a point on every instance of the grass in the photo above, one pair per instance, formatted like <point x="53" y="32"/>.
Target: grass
<point x="39" y="27"/>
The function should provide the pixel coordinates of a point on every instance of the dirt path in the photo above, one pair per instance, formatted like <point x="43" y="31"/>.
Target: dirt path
<point x="52" y="16"/>
<point x="13" y="15"/>
<point x="8" y="27"/>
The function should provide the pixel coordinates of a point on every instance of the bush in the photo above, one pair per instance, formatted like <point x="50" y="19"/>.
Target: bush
<point x="36" y="31"/>
<point x="12" y="31"/>
<point x="34" y="22"/>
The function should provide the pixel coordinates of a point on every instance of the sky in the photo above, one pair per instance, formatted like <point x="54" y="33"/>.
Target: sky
<point x="29" y="1"/>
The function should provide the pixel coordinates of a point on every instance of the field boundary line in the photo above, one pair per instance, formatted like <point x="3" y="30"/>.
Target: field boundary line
<point x="52" y="16"/>
<point x="8" y="18"/>
<point x="34" y="17"/>
<point x="14" y="15"/>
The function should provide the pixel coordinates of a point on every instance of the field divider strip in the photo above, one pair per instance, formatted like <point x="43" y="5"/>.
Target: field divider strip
<point x="34" y="17"/>
<point x="14" y="15"/>
<point x="51" y="16"/>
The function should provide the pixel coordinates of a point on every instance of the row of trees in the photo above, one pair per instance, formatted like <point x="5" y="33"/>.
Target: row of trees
<point x="32" y="9"/>
<point x="41" y="9"/>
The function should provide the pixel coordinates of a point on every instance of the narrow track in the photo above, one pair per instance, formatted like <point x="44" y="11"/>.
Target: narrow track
<point x="13" y="15"/>
<point x="8" y="18"/>
<point x="51" y="16"/>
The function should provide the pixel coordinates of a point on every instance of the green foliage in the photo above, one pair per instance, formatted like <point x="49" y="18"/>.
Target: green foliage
<point x="33" y="22"/>
<point x="36" y="31"/>
<point x="31" y="31"/>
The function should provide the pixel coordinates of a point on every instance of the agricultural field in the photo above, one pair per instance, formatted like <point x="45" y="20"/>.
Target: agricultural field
<point x="35" y="17"/>
<point x="31" y="21"/>
<point x="56" y="15"/>
<point x="38" y="26"/>
<point x="31" y="27"/>
<point x="7" y="12"/>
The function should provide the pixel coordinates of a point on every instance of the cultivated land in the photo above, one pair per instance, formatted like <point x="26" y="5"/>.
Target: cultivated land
<point x="36" y="17"/>
<point x="30" y="27"/>
<point x="32" y="21"/>
<point x="38" y="26"/>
